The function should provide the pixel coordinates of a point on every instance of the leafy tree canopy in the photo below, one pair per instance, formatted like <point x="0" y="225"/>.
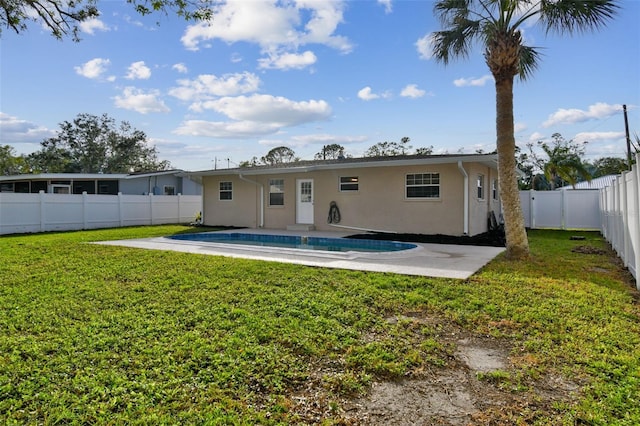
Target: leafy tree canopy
<point x="11" y="164"/>
<point x="389" y="149"/>
<point x="279" y="155"/>
<point x="92" y="144"/>
<point x="63" y="17"/>
<point x="330" y="152"/>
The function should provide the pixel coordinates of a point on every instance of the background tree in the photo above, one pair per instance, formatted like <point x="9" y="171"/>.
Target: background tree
<point x="10" y="163"/>
<point x="63" y="17"/>
<point x="92" y="144"/>
<point x="427" y="150"/>
<point x="563" y="163"/>
<point x="330" y="152"/>
<point x="608" y="166"/>
<point x="496" y="24"/>
<point x="279" y="155"/>
<point x="389" y="149"/>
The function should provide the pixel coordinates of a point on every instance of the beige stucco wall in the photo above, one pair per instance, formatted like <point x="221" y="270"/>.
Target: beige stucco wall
<point x="379" y="204"/>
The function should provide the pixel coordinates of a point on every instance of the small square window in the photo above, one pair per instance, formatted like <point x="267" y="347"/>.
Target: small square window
<point x="349" y="183"/>
<point x="226" y="190"/>
<point x="276" y="192"/>
<point x="494" y="189"/>
<point x="169" y="190"/>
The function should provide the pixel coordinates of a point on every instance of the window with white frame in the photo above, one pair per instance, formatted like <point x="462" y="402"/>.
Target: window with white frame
<point x="276" y="192"/>
<point x="494" y="190"/>
<point x="349" y="183"/>
<point x="480" y="186"/>
<point x="423" y="185"/>
<point x="226" y="190"/>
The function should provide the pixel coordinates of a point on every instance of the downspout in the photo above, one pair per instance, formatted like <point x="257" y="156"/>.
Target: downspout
<point x="259" y="185"/>
<point x="465" y="191"/>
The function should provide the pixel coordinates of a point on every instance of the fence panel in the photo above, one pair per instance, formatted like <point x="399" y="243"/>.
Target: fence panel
<point x="573" y="209"/>
<point x="26" y="213"/>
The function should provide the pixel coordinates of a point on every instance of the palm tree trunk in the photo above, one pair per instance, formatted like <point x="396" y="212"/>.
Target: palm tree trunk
<point x="517" y="242"/>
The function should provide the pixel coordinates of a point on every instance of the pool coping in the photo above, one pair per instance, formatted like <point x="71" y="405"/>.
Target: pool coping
<point x="427" y="259"/>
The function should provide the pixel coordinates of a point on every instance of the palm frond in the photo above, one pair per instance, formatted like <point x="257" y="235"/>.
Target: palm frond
<point x="529" y="61"/>
<point x="576" y="16"/>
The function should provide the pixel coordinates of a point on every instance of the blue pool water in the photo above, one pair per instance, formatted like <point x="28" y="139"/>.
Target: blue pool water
<point x="296" y="242"/>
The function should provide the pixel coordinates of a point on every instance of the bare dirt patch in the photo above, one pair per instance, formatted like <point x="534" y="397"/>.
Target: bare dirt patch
<point x="473" y="388"/>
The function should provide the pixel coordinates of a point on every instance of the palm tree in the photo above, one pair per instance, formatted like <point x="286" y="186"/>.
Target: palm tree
<point x="496" y="25"/>
<point x="564" y="163"/>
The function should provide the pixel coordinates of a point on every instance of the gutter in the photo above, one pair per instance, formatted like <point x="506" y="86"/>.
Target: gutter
<point x="465" y="191"/>
<point x="261" y="222"/>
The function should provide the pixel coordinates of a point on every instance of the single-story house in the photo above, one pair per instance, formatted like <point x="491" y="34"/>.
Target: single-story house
<point x="168" y="182"/>
<point x="436" y="194"/>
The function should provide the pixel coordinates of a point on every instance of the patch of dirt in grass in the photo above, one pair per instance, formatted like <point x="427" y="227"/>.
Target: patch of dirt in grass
<point x="588" y="250"/>
<point x="475" y="387"/>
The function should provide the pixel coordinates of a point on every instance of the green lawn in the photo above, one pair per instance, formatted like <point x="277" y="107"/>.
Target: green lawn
<point x="93" y="334"/>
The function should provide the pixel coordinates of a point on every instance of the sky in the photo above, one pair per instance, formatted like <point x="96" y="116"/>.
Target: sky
<point x="304" y="74"/>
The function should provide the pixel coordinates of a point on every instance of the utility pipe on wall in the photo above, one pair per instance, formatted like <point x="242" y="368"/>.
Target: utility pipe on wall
<point x="259" y="185"/>
<point x="465" y="191"/>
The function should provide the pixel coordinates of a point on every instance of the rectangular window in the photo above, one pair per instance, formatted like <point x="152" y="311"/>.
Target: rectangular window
<point x="169" y="190"/>
<point x="226" y="190"/>
<point x="494" y="189"/>
<point x="276" y="192"/>
<point x="349" y="183"/>
<point x="423" y="185"/>
<point x="6" y="187"/>
<point x="480" y="187"/>
<point x="108" y="187"/>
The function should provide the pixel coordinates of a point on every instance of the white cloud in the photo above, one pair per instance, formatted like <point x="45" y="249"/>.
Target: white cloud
<point x="18" y="131"/>
<point x="288" y="61"/>
<point x="208" y="86"/>
<point x="519" y="127"/>
<point x="412" y="91"/>
<point x="92" y="25"/>
<point x="388" y="8"/>
<point x="181" y="68"/>
<point x="270" y="109"/>
<point x="536" y="136"/>
<point x="424" y="46"/>
<point x="138" y="70"/>
<point x="366" y="94"/>
<point x="300" y="141"/>
<point x="277" y="27"/>
<point x="475" y="82"/>
<point x="140" y="101"/>
<point x="234" y="130"/>
<point x="256" y="115"/>
<point x="569" y="116"/>
<point x="598" y="136"/>
<point x="94" y="68"/>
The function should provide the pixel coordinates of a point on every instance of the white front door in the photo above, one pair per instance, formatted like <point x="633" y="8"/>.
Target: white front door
<point x="304" y="201"/>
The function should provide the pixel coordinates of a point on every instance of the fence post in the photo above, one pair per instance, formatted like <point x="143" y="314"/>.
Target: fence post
<point x="43" y="210"/>
<point x="636" y="238"/>
<point x="85" y="211"/>
<point x="179" y="208"/>
<point x="151" y="208"/>
<point x="625" y="218"/>
<point x="120" y="212"/>
<point x="532" y="206"/>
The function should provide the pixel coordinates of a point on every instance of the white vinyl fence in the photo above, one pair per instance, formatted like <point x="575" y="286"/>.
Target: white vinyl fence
<point x="25" y="213"/>
<point x="620" y="204"/>
<point x="572" y="209"/>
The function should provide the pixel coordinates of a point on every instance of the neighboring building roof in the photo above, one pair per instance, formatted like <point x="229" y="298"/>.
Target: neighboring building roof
<point x="78" y="176"/>
<point x="490" y="160"/>
<point x="597" y="183"/>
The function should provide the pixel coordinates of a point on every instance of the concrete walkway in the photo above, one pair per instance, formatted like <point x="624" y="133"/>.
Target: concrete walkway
<point x="430" y="260"/>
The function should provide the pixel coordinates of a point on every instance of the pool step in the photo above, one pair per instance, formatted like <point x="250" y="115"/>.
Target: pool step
<point x="301" y="227"/>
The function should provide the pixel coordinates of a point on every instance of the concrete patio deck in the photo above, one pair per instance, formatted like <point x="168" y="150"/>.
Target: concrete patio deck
<point x="430" y="260"/>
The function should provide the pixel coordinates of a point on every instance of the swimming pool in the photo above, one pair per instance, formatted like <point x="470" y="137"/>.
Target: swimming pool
<point x="296" y="242"/>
